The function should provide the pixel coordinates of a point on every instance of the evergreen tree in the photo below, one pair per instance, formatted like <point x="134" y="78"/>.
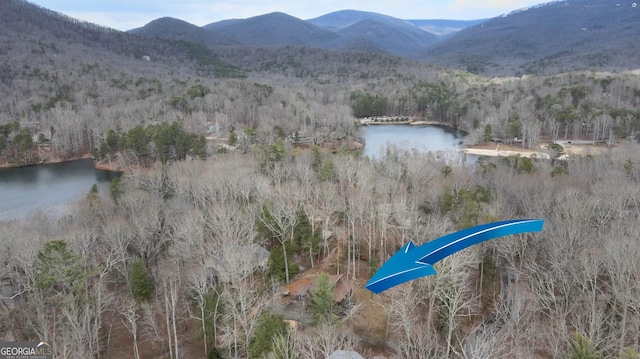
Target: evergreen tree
<point x="112" y="140"/>
<point x="317" y="158"/>
<point x="303" y="229"/>
<point x="269" y="327"/>
<point x="555" y="151"/>
<point x="92" y="196"/>
<point x="488" y="133"/>
<point x="59" y="270"/>
<point x="559" y="170"/>
<point x="250" y="132"/>
<point x="581" y="348"/>
<point x="233" y="139"/>
<point x="199" y="146"/>
<point x="322" y="300"/>
<point x="326" y="171"/>
<point x="629" y="353"/>
<point x="138" y="141"/>
<point x="277" y="266"/>
<point x="304" y="236"/>
<point x="141" y="283"/>
<point x="114" y="189"/>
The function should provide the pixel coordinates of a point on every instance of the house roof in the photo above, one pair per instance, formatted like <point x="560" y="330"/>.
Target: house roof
<point x="304" y="285"/>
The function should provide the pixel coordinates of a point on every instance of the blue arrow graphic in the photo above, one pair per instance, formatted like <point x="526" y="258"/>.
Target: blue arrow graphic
<point x="413" y="262"/>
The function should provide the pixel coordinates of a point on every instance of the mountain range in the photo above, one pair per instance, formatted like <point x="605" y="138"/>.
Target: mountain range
<point x="347" y="29"/>
<point x="548" y="38"/>
<point x="32" y="37"/>
<point x="551" y="37"/>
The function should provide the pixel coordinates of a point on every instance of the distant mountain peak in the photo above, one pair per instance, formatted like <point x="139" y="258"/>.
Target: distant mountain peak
<point x="176" y="29"/>
<point x="344" y="29"/>
<point x="344" y="18"/>
<point x="547" y="38"/>
<point x="274" y="29"/>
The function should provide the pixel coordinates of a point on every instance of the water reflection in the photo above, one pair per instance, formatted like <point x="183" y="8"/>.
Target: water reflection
<point x="48" y="187"/>
<point x="442" y="139"/>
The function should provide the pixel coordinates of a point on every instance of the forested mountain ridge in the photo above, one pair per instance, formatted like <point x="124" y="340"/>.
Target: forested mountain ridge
<point x="56" y="68"/>
<point x="350" y="83"/>
<point x="275" y="29"/>
<point x="170" y="28"/>
<point x="348" y="29"/>
<point x="33" y="24"/>
<point x="386" y="33"/>
<point x="549" y="38"/>
<point x="553" y="37"/>
<point x="56" y="32"/>
<point x="339" y="20"/>
<point x="445" y="27"/>
<point x="389" y="38"/>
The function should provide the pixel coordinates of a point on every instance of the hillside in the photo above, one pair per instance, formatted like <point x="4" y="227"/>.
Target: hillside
<point x="339" y="20"/>
<point x="175" y="29"/>
<point x="382" y="32"/>
<point x="548" y="38"/>
<point x="553" y="37"/>
<point x="60" y="37"/>
<point x="346" y="30"/>
<point x="38" y="24"/>
<point x="444" y="28"/>
<point x="391" y="39"/>
<point x="437" y="28"/>
<point x="275" y="29"/>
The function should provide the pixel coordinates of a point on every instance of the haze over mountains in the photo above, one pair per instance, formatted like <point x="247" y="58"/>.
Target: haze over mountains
<point x="557" y="36"/>
<point x="348" y="29"/>
<point x="24" y="26"/>
<point x="553" y="37"/>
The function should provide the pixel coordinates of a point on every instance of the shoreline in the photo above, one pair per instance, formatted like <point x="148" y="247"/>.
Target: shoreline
<point x="410" y="122"/>
<point x="428" y="122"/>
<point x="48" y="162"/>
<point x="499" y="150"/>
<point x="104" y="165"/>
<point x="482" y="149"/>
<point x="504" y="153"/>
<point x="99" y="165"/>
<point x="504" y="150"/>
<point x="370" y="122"/>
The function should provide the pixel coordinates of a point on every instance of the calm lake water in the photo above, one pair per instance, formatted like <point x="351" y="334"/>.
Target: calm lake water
<point x="52" y="187"/>
<point x="48" y="187"/>
<point x="409" y="137"/>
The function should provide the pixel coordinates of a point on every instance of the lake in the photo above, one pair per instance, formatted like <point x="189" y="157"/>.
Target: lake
<point x="409" y="137"/>
<point x="49" y="187"/>
<point x="52" y="187"/>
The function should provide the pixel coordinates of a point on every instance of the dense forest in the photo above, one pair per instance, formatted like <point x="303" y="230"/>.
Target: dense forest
<point x="315" y="92"/>
<point x="240" y="181"/>
<point x="158" y="267"/>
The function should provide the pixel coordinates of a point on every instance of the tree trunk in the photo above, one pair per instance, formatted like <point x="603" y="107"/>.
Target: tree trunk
<point x="286" y="263"/>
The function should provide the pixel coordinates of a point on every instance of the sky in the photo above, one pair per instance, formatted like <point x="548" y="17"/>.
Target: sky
<point x="129" y="14"/>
